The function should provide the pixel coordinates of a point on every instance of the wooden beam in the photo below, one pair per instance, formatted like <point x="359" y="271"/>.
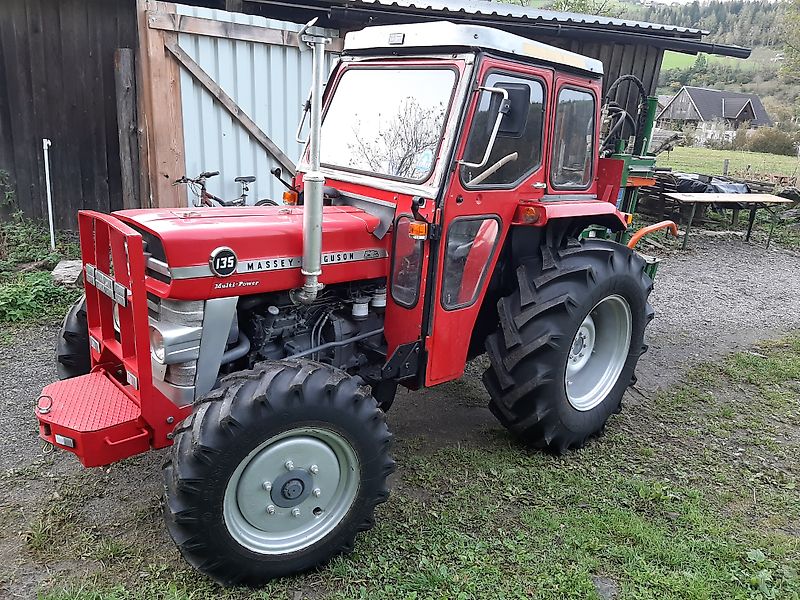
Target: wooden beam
<point x="164" y="21"/>
<point x="712" y="198"/>
<point x="161" y="113"/>
<point x="234" y="5"/>
<point x="236" y="112"/>
<point x="125" y="86"/>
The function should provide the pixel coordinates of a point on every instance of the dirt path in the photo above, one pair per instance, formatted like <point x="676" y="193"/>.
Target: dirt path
<point x="720" y="296"/>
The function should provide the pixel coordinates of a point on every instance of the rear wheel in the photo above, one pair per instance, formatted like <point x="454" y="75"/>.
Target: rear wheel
<point x="276" y="471"/>
<point x="72" y="348"/>
<point x="568" y="343"/>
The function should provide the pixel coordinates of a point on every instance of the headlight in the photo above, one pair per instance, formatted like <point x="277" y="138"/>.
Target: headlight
<point x="157" y="344"/>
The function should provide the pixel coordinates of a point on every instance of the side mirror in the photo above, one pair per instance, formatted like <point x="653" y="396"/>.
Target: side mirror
<point x="502" y="110"/>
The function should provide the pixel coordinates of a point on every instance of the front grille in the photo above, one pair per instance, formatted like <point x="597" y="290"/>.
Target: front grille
<point x="182" y="374"/>
<point x="188" y="313"/>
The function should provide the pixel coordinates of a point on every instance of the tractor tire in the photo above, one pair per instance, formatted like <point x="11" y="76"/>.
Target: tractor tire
<point x="276" y="471"/>
<point x="72" y="349"/>
<point x="568" y="342"/>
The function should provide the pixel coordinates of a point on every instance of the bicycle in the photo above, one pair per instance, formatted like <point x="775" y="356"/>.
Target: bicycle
<point x="205" y="198"/>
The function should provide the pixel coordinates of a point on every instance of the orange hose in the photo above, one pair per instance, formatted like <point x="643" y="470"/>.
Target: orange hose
<point x="650" y="229"/>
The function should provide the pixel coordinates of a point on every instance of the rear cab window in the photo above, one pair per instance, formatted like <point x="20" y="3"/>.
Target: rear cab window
<point x="572" y="154"/>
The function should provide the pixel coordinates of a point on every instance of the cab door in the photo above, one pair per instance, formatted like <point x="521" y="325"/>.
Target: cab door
<point x="479" y="204"/>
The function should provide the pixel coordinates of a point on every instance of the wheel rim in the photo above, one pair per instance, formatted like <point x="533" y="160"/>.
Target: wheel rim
<point x="598" y="353"/>
<point x="291" y="491"/>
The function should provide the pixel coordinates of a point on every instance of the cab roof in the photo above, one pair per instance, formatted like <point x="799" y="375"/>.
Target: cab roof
<point x="439" y="35"/>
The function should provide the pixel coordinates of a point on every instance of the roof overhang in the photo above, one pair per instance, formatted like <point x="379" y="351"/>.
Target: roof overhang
<point x="520" y="20"/>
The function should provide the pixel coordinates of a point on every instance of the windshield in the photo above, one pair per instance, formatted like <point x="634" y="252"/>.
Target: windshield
<point x="387" y="121"/>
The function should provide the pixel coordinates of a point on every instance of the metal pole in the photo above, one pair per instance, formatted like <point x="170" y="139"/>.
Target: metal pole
<point x="313" y="180"/>
<point x="46" y="150"/>
<point x="688" y="226"/>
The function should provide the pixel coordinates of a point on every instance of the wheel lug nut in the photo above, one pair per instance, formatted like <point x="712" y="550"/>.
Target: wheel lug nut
<point x="289" y="465"/>
<point x="270" y="510"/>
<point x="295" y="512"/>
<point x="313" y="469"/>
<point x="267" y="485"/>
<point x="317" y="492"/>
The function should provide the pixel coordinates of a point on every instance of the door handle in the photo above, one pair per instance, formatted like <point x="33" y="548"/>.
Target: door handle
<point x="539" y="185"/>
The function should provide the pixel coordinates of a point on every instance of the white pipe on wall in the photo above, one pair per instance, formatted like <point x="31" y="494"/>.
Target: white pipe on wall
<point x="46" y="149"/>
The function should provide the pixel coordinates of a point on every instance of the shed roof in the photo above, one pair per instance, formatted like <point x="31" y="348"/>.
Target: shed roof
<point x="484" y="8"/>
<point x="521" y="20"/>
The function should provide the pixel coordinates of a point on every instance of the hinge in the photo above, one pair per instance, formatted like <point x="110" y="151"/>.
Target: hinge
<point x="434" y="231"/>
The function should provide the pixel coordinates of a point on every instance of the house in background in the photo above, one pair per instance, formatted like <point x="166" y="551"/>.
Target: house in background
<point x="715" y="114"/>
<point x="663" y="100"/>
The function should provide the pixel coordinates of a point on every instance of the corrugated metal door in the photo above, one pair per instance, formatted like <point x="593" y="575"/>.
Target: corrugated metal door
<point x="268" y="82"/>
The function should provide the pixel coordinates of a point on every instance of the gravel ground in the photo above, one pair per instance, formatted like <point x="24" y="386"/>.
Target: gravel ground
<point x="722" y="295"/>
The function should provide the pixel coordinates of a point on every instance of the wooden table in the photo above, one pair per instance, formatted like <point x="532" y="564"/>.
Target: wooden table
<point x="749" y="201"/>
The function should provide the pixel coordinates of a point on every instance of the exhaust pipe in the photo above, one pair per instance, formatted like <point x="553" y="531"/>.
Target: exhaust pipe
<point x="313" y="179"/>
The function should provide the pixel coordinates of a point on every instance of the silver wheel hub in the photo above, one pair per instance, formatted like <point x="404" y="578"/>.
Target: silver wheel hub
<point x="291" y="491"/>
<point x="598" y="353"/>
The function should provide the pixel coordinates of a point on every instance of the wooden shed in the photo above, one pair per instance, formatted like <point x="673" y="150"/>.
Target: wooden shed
<point x="122" y="129"/>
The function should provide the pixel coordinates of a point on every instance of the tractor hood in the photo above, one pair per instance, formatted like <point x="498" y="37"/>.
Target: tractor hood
<point x="266" y="244"/>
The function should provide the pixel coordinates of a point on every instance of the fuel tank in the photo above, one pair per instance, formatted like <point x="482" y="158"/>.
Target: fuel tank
<point x="214" y="252"/>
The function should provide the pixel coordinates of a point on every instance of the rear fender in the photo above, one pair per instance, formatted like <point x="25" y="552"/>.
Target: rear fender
<point x="569" y="215"/>
<point x="524" y="242"/>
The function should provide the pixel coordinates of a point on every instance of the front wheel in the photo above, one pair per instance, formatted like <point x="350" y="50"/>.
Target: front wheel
<point x="276" y="471"/>
<point x="72" y="348"/>
<point x="569" y="339"/>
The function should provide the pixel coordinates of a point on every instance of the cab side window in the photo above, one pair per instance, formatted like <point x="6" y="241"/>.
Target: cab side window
<point x="517" y="150"/>
<point x="573" y="140"/>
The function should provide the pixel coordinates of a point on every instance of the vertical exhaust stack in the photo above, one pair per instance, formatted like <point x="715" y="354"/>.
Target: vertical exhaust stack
<point x="313" y="180"/>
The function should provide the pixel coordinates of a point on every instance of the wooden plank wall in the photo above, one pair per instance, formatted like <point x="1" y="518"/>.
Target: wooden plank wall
<point x="620" y="59"/>
<point x="57" y="81"/>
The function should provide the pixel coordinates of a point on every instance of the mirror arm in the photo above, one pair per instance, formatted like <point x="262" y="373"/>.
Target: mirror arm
<point x="306" y="110"/>
<point x="492" y="138"/>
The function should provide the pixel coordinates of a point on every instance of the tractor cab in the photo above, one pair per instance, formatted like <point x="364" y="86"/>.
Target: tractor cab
<point x="451" y="134"/>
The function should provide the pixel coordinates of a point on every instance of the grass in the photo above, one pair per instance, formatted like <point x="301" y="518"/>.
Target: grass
<point x="710" y="162"/>
<point x="691" y="493"/>
<point x="27" y="291"/>
<point x="678" y="60"/>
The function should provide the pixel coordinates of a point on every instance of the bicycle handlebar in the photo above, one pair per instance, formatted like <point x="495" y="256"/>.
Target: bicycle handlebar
<point x="207" y="174"/>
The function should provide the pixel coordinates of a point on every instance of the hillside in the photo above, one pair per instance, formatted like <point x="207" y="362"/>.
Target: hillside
<point x="759" y="24"/>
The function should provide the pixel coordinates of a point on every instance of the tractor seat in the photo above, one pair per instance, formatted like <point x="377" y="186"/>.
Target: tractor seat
<point x="248" y="179"/>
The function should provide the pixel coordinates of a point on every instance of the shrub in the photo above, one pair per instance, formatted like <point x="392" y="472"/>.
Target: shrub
<point x="770" y="140"/>
<point x="24" y="240"/>
<point x="34" y="297"/>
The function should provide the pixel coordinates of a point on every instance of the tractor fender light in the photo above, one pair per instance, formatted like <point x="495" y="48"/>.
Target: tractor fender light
<point x="418" y="230"/>
<point x="529" y="215"/>
<point x="290" y="197"/>
<point x="157" y="344"/>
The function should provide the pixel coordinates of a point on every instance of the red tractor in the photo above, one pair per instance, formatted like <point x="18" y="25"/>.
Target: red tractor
<point x="452" y="200"/>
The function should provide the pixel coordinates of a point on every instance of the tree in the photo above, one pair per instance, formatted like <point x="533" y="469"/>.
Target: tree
<point x="605" y="8"/>
<point x="404" y="145"/>
<point x="790" y="71"/>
